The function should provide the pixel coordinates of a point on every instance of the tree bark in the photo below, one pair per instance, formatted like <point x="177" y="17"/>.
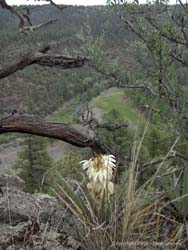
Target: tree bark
<point x="77" y="135"/>
<point x="44" y="59"/>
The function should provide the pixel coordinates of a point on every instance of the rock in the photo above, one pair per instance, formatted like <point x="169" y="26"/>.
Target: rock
<point x="25" y="236"/>
<point x="34" y="221"/>
<point x="17" y="206"/>
<point x="14" y="182"/>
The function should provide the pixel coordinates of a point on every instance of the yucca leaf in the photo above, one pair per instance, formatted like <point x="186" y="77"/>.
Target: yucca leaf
<point x="90" y="201"/>
<point x="73" y="203"/>
<point x="179" y="233"/>
<point x="170" y="186"/>
<point x="121" y="189"/>
<point x="68" y="205"/>
<point x="75" y="200"/>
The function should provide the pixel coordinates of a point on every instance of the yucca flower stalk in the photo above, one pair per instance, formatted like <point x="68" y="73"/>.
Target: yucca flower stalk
<point x="100" y="173"/>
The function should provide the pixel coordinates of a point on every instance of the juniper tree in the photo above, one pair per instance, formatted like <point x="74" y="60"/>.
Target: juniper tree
<point x="34" y="164"/>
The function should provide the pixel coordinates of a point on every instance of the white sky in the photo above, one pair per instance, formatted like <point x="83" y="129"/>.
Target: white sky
<point x="70" y="2"/>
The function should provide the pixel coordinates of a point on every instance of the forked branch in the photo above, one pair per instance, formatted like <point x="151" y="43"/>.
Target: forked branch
<point x="25" y="23"/>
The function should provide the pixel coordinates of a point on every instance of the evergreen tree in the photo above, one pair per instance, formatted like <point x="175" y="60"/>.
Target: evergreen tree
<point x="70" y="166"/>
<point x="34" y="163"/>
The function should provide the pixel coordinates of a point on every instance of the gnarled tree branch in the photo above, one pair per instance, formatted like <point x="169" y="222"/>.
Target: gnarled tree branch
<point x="43" y="58"/>
<point x="77" y="135"/>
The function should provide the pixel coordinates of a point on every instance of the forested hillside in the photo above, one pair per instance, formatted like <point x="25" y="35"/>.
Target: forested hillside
<point x="48" y="93"/>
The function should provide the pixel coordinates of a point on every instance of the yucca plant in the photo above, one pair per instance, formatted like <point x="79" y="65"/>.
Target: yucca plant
<point x="127" y="218"/>
<point x="123" y="219"/>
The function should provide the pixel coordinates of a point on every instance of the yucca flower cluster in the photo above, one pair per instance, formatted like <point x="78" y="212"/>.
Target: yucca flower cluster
<point x="100" y="173"/>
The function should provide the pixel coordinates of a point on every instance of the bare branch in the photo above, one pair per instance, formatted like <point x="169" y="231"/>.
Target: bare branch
<point x="4" y="5"/>
<point x="143" y="86"/>
<point x="184" y="6"/>
<point x="156" y="162"/>
<point x="170" y="156"/>
<point x="24" y="18"/>
<point x="77" y="135"/>
<point x="112" y="127"/>
<point x="43" y="58"/>
<point x="168" y="36"/>
<point x="166" y="174"/>
<point x="60" y="7"/>
<point x="181" y="156"/>
<point x="132" y="28"/>
<point x="36" y="27"/>
<point x="118" y="83"/>
<point x="179" y="58"/>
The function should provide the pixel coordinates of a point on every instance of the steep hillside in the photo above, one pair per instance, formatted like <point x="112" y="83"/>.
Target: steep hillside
<point x="42" y="90"/>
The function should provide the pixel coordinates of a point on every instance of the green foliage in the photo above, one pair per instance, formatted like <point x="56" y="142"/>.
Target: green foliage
<point x="160" y="34"/>
<point x="176" y="187"/>
<point x="69" y="166"/>
<point x="34" y="164"/>
<point x="131" y="215"/>
<point x="6" y="138"/>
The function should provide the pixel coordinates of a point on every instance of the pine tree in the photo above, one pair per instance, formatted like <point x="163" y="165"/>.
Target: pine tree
<point x="34" y="163"/>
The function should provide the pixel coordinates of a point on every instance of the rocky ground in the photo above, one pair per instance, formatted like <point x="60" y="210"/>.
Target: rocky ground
<point x="33" y="221"/>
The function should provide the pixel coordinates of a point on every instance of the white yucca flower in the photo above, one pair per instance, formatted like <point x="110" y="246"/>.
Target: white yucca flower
<point x="100" y="168"/>
<point x="100" y="172"/>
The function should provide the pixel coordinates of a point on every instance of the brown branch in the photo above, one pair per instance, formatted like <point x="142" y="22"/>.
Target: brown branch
<point x="168" y="36"/>
<point x="134" y="30"/>
<point x="181" y="156"/>
<point x="25" y="17"/>
<point x="112" y="127"/>
<point x="43" y="58"/>
<point x="118" y="83"/>
<point x="60" y="7"/>
<point x="138" y="86"/>
<point x="77" y="135"/>
<point x="4" y="5"/>
<point x="167" y="173"/>
<point x="158" y="161"/>
<point x="179" y="58"/>
<point x="184" y="6"/>
<point x="32" y="28"/>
